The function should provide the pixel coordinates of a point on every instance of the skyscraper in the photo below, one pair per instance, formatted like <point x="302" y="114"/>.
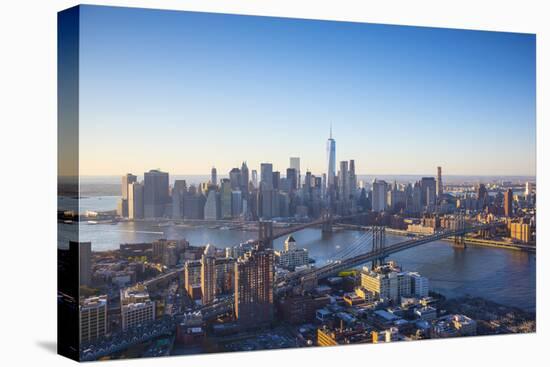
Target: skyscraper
<point x="214" y="176"/>
<point x="379" y="189"/>
<point x="155" y="193"/>
<point x="428" y="185"/>
<point x="308" y="182"/>
<point x="244" y="179"/>
<point x="192" y="274"/>
<point x="266" y="190"/>
<point x="178" y="193"/>
<point x="343" y="181"/>
<point x="439" y="184"/>
<point x="126" y="180"/>
<point x="236" y="203"/>
<point x="331" y="160"/>
<point x="275" y="202"/>
<point x="266" y="203"/>
<point x="352" y="178"/>
<point x="208" y="274"/>
<point x="212" y="206"/>
<point x="135" y="201"/>
<point x="482" y="195"/>
<point x="508" y="199"/>
<point x="225" y="193"/>
<point x="194" y="202"/>
<point x="225" y="275"/>
<point x="235" y="178"/>
<point x="292" y="179"/>
<point x="284" y="204"/>
<point x="276" y="179"/>
<point x="265" y="234"/>
<point x="295" y="164"/>
<point x="266" y="176"/>
<point x="254" y="288"/>
<point x="416" y="198"/>
<point x="255" y="178"/>
<point x="397" y="198"/>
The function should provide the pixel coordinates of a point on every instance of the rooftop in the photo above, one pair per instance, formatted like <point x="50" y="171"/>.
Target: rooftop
<point x="386" y="315"/>
<point x="94" y="302"/>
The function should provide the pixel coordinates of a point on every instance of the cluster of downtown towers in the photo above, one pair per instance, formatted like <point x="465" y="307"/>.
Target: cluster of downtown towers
<point x="242" y="196"/>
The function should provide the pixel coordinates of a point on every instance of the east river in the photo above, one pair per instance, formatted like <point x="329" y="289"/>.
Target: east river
<point x="500" y="275"/>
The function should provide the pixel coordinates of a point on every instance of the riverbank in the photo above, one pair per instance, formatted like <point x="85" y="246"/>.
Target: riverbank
<point x="496" y="244"/>
<point x="471" y="241"/>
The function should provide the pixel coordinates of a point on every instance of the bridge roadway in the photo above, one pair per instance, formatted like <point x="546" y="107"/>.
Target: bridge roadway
<point x="165" y="277"/>
<point x="287" y="231"/>
<point x="172" y="274"/>
<point x="334" y="268"/>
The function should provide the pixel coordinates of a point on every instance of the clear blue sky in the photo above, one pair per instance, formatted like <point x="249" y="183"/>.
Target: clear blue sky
<point x="184" y="91"/>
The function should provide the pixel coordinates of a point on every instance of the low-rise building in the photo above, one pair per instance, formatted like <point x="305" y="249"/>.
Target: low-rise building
<point x="353" y="299"/>
<point x="189" y="329"/>
<point x="419" y="228"/>
<point x="384" y="319"/>
<point x="135" y="306"/>
<point x="385" y="336"/>
<point x="365" y="294"/>
<point x="427" y="313"/>
<point x="386" y="281"/>
<point x="291" y="257"/>
<point x="323" y="315"/>
<point x="419" y="285"/>
<point x="301" y="308"/>
<point x="338" y="336"/>
<point x="454" y="325"/>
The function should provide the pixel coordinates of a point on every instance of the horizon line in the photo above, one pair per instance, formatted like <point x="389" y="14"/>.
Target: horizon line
<point x="357" y="174"/>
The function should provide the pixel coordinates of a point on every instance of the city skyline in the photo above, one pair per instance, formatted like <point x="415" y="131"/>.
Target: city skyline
<point x="329" y="169"/>
<point x="393" y="107"/>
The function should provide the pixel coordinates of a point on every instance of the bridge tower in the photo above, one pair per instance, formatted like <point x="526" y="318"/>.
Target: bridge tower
<point x="326" y="227"/>
<point x="485" y="233"/>
<point x="265" y="235"/>
<point x="378" y="244"/>
<point x="459" y="226"/>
